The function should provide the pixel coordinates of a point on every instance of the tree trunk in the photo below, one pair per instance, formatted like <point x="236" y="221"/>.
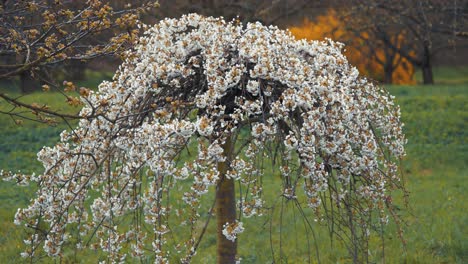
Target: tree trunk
<point x="225" y="209"/>
<point x="388" y="74"/>
<point x="428" y="77"/>
<point x="27" y="83"/>
<point x="426" y="67"/>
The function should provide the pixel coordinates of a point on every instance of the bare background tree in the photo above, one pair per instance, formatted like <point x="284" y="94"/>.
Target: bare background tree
<point x="41" y="38"/>
<point x="278" y="12"/>
<point x="430" y="27"/>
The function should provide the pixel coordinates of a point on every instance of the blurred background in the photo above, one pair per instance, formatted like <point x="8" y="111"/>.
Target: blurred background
<point x="51" y="51"/>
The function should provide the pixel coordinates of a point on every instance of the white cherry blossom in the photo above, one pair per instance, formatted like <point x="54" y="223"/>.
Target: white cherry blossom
<point x="151" y="141"/>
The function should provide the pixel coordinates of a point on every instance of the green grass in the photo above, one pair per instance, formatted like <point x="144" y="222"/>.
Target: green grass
<point x="436" y="119"/>
<point x="435" y="171"/>
<point x="447" y="75"/>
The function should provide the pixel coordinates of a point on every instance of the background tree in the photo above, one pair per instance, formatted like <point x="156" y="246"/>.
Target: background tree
<point x="38" y="36"/>
<point x="278" y="12"/>
<point x="430" y="26"/>
<point x="130" y="181"/>
<point x="364" y="47"/>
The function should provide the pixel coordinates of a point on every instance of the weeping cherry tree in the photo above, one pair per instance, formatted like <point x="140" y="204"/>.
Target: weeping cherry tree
<point x="203" y="107"/>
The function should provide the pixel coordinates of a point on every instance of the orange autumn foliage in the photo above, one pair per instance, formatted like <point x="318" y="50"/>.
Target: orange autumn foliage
<point x="369" y="61"/>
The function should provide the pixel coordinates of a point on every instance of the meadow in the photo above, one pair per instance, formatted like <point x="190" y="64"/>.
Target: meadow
<point x="435" y="171"/>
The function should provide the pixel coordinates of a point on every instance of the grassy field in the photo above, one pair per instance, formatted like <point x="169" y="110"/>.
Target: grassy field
<point x="435" y="171"/>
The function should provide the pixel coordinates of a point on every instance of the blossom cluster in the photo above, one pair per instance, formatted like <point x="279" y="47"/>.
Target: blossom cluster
<point x="231" y="230"/>
<point x="202" y="81"/>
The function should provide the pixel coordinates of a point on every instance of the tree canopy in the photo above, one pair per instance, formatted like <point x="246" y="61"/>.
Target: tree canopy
<point x="200" y="102"/>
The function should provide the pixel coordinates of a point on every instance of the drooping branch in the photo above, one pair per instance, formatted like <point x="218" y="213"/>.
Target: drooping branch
<point x="201" y="106"/>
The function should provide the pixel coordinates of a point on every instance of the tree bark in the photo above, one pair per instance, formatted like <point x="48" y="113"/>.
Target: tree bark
<point x="225" y="209"/>
<point x="388" y="73"/>
<point x="426" y="67"/>
<point x="428" y="77"/>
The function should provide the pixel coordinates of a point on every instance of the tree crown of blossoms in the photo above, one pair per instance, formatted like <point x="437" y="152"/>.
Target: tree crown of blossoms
<point x="121" y="176"/>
